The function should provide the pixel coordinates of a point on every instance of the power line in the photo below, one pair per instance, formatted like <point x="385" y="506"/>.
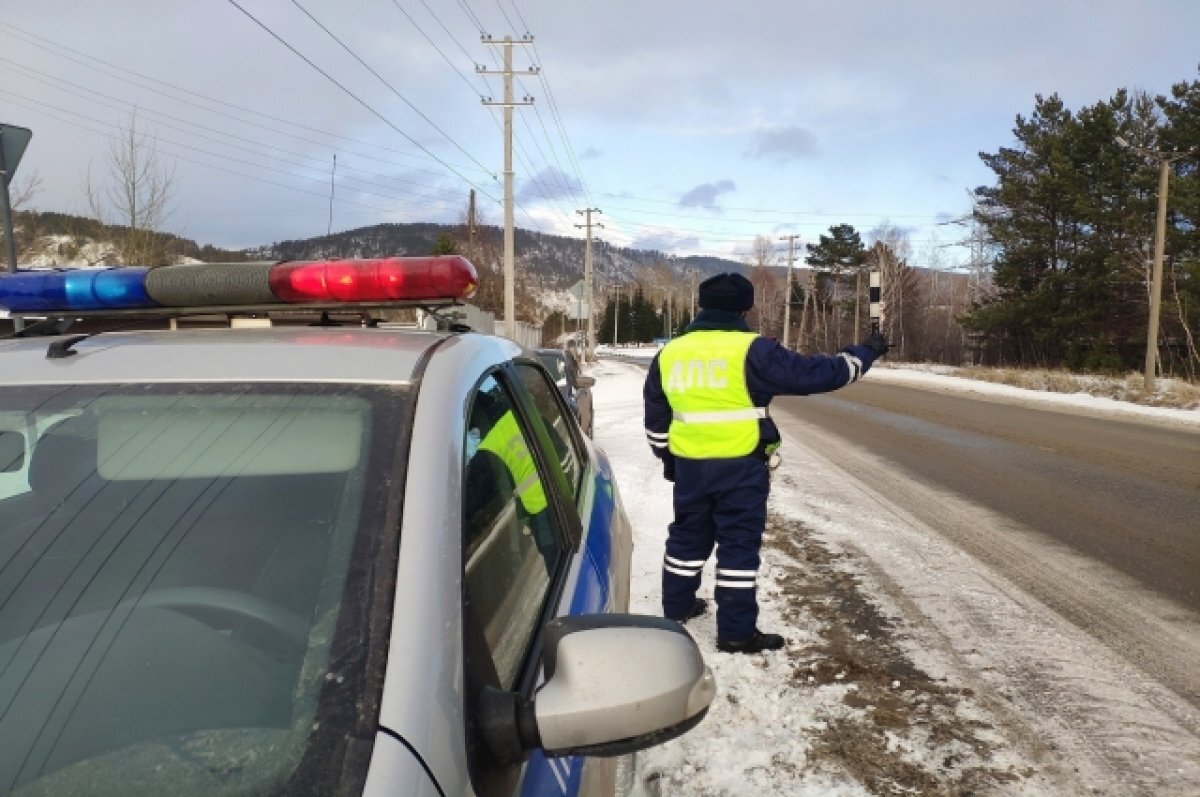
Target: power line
<point x="523" y="155"/>
<point x="760" y="211"/>
<point x="546" y="133"/>
<point x="53" y="48"/>
<point x="471" y="15"/>
<point x="381" y="79"/>
<point x="708" y="234"/>
<point x="187" y="159"/>
<point x="357" y="99"/>
<point x="432" y="44"/>
<point x="507" y="19"/>
<point x="442" y="25"/>
<point x="191" y="128"/>
<point x="195" y="149"/>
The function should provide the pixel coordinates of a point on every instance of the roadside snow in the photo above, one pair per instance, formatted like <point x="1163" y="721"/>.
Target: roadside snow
<point x="793" y="723"/>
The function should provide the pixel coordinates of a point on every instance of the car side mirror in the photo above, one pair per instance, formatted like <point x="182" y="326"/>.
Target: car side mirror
<point x="614" y="684"/>
<point x="585" y="381"/>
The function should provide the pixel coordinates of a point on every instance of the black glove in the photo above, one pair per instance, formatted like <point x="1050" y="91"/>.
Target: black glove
<point x="669" y="468"/>
<point x="877" y="343"/>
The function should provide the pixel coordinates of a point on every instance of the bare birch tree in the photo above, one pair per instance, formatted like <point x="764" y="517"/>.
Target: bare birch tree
<point x="766" y="287"/>
<point x="21" y="193"/>
<point x="135" y="195"/>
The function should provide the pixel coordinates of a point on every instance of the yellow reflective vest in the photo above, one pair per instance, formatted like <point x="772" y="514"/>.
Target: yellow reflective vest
<point x="704" y="379"/>
<point x="505" y="441"/>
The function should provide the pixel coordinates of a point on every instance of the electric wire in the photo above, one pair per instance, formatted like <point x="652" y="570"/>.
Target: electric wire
<point x="568" y="190"/>
<point x="191" y="127"/>
<point x="384" y="81"/>
<point x="239" y="119"/>
<point x="357" y="99"/>
<point x="252" y="164"/>
<point x="465" y="6"/>
<point x="54" y="48"/>
<point x="205" y="164"/>
<point x="524" y="157"/>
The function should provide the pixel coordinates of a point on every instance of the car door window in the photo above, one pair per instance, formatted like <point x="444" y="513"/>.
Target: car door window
<point x="558" y="423"/>
<point x="512" y="544"/>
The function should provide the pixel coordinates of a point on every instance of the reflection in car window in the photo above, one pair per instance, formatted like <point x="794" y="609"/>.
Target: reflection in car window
<point x="510" y="544"/>
<point x="170" y="584"/>
<point x="554" y="364"/>
<point x="559" y="426"/>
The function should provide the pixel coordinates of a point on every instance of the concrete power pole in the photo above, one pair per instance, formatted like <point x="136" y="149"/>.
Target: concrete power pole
<point x="1165" y="159"/>
<point x="510" y="294"/>
<point x="589" y="348"/>
<point x="787" y="287"/>
<point x="616" y="317"/>
<point x="471" y="224"/>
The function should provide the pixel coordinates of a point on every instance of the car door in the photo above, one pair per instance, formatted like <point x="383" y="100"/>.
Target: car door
<point x="523" y="561"/>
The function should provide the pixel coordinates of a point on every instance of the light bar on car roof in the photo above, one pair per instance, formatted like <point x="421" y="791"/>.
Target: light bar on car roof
<point x="208" y="285"/>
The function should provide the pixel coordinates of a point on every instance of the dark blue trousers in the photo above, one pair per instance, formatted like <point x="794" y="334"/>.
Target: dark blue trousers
<point x="721" y="502"/>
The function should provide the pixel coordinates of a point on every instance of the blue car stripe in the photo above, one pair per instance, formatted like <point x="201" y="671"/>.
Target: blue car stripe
<point x="593" y="588"/>
<point x="552" y="777"/>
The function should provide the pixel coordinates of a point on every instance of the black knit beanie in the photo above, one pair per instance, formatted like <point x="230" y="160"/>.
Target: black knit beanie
<point x="731" y="292"/>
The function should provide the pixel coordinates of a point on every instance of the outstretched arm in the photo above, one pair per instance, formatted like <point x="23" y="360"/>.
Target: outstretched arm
<point x="781" y="372"/>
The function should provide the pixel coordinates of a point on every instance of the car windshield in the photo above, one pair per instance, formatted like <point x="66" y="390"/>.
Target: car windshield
<point x="176" y="577"/>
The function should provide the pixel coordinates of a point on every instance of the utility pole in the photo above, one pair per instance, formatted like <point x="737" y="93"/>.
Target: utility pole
<point x="616" y="317"/>
<point x="510" y="294"/>
<point x="471" y="224"/>
<point x="787" y="287"/>
<point x="332" y="178"/>
<point x="1165" y="159"/>
<point x="589" y="350"/>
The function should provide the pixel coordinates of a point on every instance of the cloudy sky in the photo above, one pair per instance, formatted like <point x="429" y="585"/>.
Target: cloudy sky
<point x="692" y="125"/>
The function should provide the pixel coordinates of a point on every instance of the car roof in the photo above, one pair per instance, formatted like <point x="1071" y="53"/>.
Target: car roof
<point x="278" y="354"/>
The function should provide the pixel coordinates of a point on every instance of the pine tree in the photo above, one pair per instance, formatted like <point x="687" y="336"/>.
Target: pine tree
<point x="1072" y="214"/>
<point x="833" y="256"/>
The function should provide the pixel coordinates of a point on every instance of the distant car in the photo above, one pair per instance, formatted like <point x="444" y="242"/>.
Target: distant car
<point x="316" y="559"/>
<point x="574" y="386"/>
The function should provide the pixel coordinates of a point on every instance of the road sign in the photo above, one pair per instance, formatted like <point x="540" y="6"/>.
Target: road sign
<point x="13" y="141"/>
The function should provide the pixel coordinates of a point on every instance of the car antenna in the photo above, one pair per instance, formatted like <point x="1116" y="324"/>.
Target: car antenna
<point x="61" y="348"/>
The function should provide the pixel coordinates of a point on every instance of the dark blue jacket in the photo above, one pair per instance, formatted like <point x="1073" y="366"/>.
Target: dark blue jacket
<point x="771" y="371"/>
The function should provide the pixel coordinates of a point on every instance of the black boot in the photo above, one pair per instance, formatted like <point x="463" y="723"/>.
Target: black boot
<point x="699" y="608"/>
<point x="757" y="643"/>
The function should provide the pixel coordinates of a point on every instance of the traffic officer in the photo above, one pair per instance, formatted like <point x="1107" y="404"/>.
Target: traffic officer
<point x="706" y="398"/>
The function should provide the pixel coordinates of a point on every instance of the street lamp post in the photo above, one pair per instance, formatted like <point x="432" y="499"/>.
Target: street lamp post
<point x="1165" y="159"/>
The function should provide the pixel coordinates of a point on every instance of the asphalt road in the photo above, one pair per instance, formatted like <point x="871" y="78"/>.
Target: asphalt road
<point x="1040" y="495"/>
<point x="1123" y="492"/>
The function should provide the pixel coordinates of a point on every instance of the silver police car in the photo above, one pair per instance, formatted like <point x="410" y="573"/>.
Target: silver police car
<point x="309" y="559"/>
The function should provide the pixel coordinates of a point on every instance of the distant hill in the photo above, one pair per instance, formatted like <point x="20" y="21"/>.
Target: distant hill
<point x="50" y="239"/>
<point x="555" y="259"/>
<point x="546" y="265"/>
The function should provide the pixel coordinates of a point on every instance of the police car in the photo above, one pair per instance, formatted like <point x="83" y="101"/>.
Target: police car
<point x="308" y="559"/>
